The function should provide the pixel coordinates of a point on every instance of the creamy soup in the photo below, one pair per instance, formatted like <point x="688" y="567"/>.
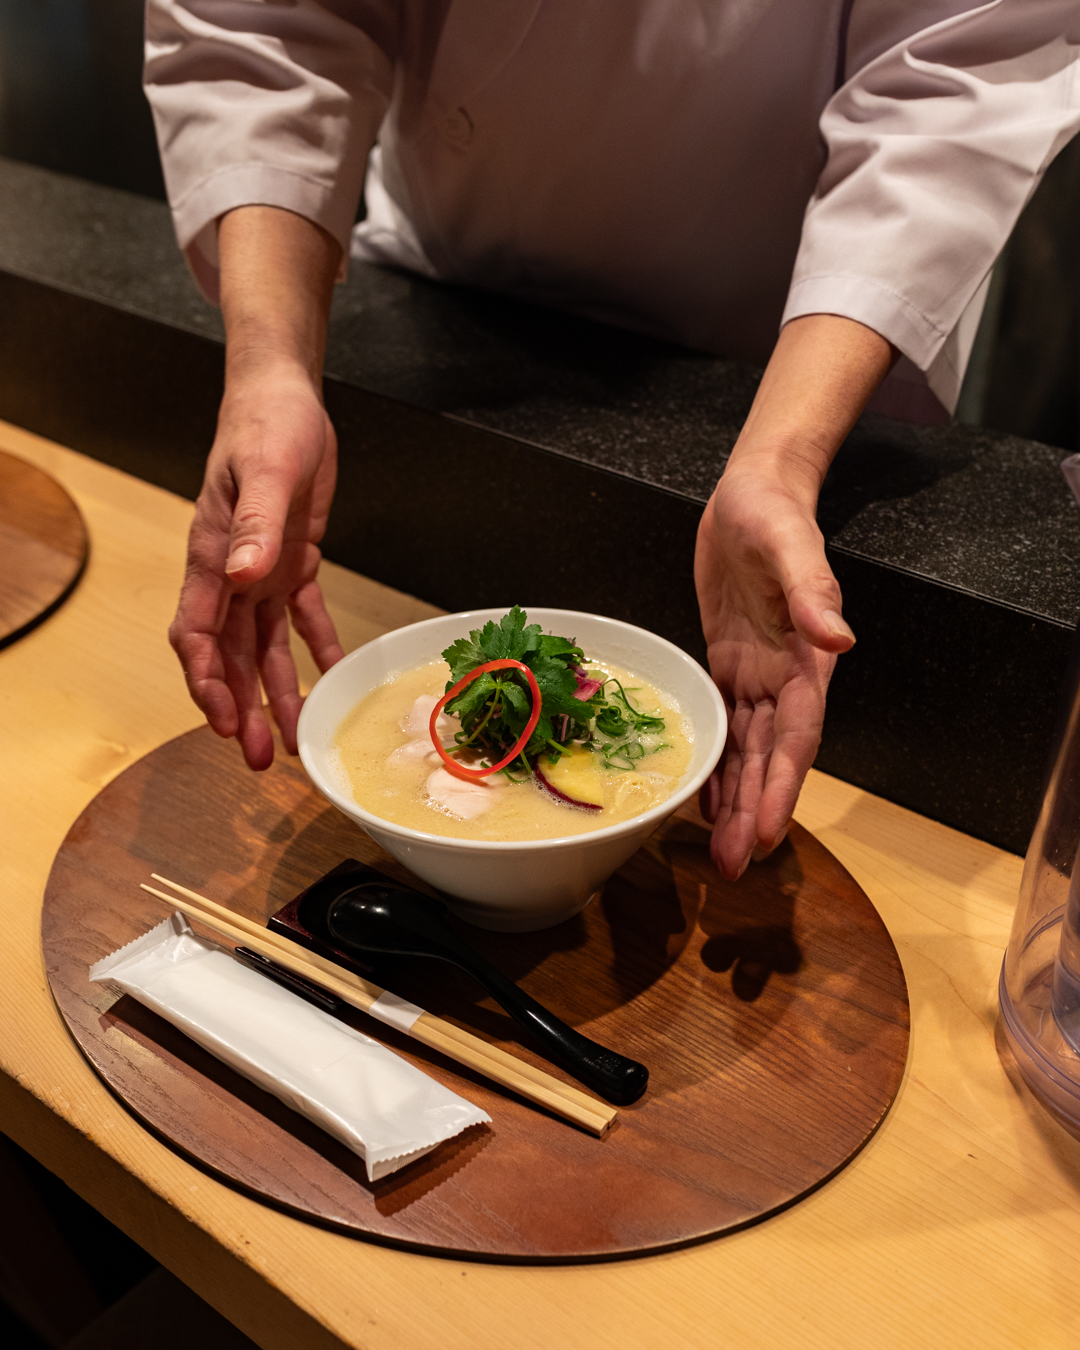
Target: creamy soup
<point x="393" y="770"/>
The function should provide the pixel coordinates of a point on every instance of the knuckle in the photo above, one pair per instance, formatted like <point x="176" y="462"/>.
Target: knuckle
<point x="250" y="522"/>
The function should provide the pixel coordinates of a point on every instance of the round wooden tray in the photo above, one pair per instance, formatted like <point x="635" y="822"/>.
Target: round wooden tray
<point x="772" y="1012"/>
<point x="43" y="546"/>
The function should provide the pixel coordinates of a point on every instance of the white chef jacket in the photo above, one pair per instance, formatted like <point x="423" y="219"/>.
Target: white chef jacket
<point x="702" y="170"/>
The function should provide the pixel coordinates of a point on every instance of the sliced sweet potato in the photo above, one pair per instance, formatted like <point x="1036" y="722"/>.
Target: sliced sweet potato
<point x="573" y="778"/>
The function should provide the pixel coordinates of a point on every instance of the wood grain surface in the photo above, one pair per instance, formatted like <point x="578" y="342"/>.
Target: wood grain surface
<point x="956" y="1228"/>
<point x="772" y="1014"/>
<point x="43" y="546"/>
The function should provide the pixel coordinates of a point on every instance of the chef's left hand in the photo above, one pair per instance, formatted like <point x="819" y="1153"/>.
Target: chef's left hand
<point x="771" y="608"/>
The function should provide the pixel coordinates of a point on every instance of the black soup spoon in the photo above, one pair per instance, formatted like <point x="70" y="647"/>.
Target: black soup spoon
<point x="376" y="916"/>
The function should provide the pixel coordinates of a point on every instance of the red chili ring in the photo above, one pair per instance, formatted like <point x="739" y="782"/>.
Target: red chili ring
<point x="459" y="770"/>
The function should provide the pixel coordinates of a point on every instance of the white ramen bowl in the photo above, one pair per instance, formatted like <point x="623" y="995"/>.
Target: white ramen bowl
<point x="512" y="886"/>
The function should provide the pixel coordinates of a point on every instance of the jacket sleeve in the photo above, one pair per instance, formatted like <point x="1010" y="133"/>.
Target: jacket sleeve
<point x="935" y="144"/>
<point x="257" y="102"/>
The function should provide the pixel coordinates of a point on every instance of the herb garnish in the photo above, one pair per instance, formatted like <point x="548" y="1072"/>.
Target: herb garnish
<point x="495" y="707"/>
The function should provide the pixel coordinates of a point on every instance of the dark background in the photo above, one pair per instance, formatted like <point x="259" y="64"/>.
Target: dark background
<point x="70" y="91"/>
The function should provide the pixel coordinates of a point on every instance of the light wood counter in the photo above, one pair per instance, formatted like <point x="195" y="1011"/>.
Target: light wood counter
<point x="958" y="1226"/>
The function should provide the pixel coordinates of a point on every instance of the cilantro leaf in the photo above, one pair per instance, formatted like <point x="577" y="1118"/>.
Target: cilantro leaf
<point x="557" y="685"/>
<point x="518" y="700"/>
<point x="462" y="656"/>
<point x="558" y="646"/>
<point x="472" y="697"/>
<point x="544" y="732"/>
<point x="509" y="639"/>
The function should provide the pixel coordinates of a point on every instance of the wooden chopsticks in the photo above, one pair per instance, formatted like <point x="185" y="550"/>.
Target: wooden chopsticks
<point x="569" y="1102"/>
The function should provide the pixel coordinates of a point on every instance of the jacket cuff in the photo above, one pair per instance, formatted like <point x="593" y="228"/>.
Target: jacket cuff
<point x="197" y="213"/>
<point x="867" y="301"/>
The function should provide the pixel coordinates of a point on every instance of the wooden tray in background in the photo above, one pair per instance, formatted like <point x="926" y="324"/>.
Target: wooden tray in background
<point x="43" y="546"/>
<point x="772" y="1013"/>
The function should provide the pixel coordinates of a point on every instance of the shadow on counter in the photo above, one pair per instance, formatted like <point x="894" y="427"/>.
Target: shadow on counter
<point x="69" y="1280"/>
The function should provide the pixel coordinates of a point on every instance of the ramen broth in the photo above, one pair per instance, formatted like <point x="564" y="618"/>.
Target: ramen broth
<point x="385" y="753"/>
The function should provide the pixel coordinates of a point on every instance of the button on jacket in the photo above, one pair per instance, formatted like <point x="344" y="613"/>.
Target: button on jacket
<point x="702" y="170"/>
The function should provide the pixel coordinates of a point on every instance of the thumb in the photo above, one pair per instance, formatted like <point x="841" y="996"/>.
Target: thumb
<point x="814" y="604"/>
<point x="812" y="592"/>
<point x="258" y="524"/>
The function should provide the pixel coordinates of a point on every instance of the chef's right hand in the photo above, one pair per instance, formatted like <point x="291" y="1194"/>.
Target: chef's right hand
<point x="253" y="557"/>
<point x="253" y="552"/>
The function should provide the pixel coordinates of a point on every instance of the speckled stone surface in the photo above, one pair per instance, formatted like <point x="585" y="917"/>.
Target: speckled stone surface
<point x="956" y="547"/>
<point x="661" y="414"/>
<point x="981" y="511"/>
<point x="98" y="242"/>
<point x="612" y="399"/>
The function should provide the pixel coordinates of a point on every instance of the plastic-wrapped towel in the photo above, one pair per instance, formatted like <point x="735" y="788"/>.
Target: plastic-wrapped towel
<point x="370" y="1099"/>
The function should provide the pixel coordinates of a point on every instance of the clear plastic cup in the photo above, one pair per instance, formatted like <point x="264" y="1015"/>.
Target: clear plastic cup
<point x="1039" y="989"/>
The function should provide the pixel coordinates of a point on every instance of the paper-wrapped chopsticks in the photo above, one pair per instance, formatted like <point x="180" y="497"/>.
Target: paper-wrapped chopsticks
<point x="537" y="1086"/>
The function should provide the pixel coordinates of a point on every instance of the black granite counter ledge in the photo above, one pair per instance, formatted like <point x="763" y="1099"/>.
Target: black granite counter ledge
<point x="619" y="401"/>
<point x="615" y="400"/>
<point x="592" y="451"/>
<point x="100" y="243"/>
<point x="980" y="511"/>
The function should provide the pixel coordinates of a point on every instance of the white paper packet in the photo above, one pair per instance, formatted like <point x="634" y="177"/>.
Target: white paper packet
<point x="372" y="1100"/>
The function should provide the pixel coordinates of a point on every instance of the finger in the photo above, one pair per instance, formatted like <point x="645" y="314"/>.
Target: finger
<point x="315" y="626"/>
<point x="760" y="854"/>
<point x="797" y="728"/>
<point x="258" y="523"/>
<point x="731" y="773"/>
<point x="239" y="645"/>
<point x="709" y="796"/>
<point x="277" y="668"/>
<point x="745" y="772"/>
<point x="726" y="773"/>
<point x="204" y="674"/>
<point x="790" y="763"/>
<point x="193" y="634"/>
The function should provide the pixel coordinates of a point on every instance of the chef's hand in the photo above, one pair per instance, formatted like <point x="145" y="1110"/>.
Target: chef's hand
<point x="253" y="558"/>
<point x="770" y="606"/>
<point x="253" y="550"/>
<point x="771" y="611"/>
